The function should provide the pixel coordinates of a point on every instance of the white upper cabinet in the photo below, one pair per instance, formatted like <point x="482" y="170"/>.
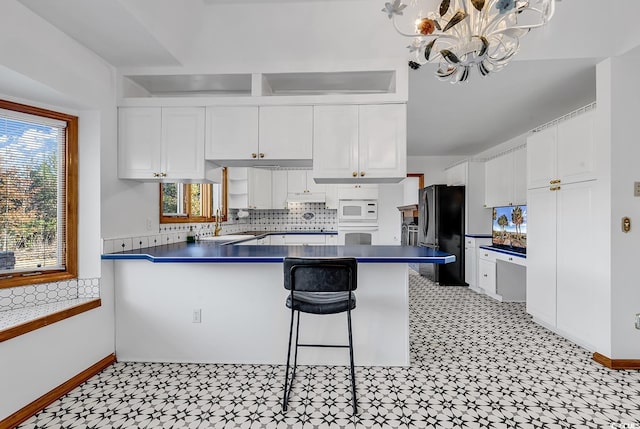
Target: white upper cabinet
<point x="365" y="143"/>
<point x="505" y="179"/>
<point x="383" y="141"/>
<point x="250" y="135"/>
<point x="279" y="189"/>
<point x="249" y="188"/>
<point x="232" y="132"/>
<point x="563" y="153"/>
<point x="139" y="137"/>
<point x="286" y="132"/>
<point x="165" y="143"/>
<point x="260" y="188"/>
<point x="301" y="181"/>
<point x="335" y="141"/>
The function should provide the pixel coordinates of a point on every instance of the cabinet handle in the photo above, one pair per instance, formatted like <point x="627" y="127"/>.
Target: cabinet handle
<point x="485" y="275"/>
<point x="554" y="188"/>
<point x="354" y="174"/>
<point x="163" y="174"/>
<point x="254" y="155"/>
<point x="553" y="182"/>
<point x="261" y="155"/>
<point x="156" y="174"/>
<point x="362" y="174"/>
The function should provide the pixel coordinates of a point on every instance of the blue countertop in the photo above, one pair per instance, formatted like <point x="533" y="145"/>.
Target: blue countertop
<point x="211" y="252"/>
<point x="505" y="251"/>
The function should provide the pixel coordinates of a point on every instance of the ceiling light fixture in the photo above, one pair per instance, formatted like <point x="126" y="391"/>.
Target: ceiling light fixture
<point x="462" y="34"/>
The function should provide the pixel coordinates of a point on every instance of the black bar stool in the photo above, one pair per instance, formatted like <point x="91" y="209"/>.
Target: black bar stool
<point x="319" y="286"/>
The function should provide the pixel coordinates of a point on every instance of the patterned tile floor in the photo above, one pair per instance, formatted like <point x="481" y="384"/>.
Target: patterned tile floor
<point x="476" y="363"/>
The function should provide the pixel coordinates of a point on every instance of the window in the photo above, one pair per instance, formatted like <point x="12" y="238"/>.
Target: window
<point x="38" y="195"/>
<point x="193" y="202"/>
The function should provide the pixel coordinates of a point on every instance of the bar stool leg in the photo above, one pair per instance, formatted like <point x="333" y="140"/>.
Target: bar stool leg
<point x="285" y="398"/>
<point x="353" y="373"/>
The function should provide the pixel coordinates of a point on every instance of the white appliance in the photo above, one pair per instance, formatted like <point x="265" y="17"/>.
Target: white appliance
<point x="358" y="211"/>
<point x="358" y="222"/>
<point x="362" y="233"/>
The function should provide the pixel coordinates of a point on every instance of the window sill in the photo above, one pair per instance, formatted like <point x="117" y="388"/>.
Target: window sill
<point x="14" y="323"/>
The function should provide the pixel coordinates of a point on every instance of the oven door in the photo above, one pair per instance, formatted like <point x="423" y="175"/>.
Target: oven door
<point x="354" y="235"/>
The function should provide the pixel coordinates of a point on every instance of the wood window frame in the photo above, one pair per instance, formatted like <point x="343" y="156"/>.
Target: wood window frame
<point x="207" y="217"/>
<point x="25" y="278"/>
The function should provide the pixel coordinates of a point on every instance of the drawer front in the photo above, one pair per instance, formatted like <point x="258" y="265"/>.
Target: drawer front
<point x="487" y="255"/>
<point x="304" y="239"/>
<point x="487" y="276"/>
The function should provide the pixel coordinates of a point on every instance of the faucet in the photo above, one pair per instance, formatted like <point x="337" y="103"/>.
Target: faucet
<point x="217" y="227"/>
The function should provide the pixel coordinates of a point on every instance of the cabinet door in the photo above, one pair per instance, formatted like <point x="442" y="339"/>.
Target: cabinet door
<point x="470" y="262"/>
<point x="312" y="186"/>
<point x="335" y="141"/>
<point x="487" y="276"/>
<point x="331" y="193"/>
<point x="259" y="188"/>
<point x="139" y="137"/>
<point x="232" y="132"/>
<point x="541" y="255"/>
<point x="541" y="158"/>
<point x="277" y="240"/>
<point x="499" y="181"/>
<point x="577" y="288"/>
<point x="286" y="132"/>
<point x="297" y="181"/>
<point x="279" y="189"/>
<point x="576" y="149"/>
<point x="519" y="158"/>
<point x="183" y="143"/>
<point x="382" y="141"/>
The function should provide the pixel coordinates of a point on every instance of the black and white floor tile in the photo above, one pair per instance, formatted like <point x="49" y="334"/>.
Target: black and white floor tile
<point x="476" y="363"/>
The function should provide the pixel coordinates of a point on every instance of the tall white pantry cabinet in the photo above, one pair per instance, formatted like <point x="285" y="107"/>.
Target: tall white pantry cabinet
<point x="561" y="202"/>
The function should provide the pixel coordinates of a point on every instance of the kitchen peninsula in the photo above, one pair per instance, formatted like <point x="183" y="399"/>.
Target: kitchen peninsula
<point x="213" y="303"/>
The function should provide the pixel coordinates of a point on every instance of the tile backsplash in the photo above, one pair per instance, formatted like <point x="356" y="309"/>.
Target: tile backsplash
<point x="298" y="217"/>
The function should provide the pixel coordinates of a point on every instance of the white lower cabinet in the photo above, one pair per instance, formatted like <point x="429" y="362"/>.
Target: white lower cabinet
<point x="471" y="252"/>
<point x="304" y="239"/>
<point x="487" y="276"/>
<point x="297" y="239"/>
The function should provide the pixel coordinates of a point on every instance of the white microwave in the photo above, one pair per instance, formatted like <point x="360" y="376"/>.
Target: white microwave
<point x="358" y="211"/>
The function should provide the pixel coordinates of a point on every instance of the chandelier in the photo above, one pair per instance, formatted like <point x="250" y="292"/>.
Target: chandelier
<point x="463" y="34"/>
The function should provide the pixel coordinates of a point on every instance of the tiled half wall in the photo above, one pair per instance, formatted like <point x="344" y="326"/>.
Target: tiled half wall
<point x="48" y="293"/>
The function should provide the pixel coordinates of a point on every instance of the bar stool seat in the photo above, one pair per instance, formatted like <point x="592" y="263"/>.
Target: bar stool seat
<point x="319" y="286"/>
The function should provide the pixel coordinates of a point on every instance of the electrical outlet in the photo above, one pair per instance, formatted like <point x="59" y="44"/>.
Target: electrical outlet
<point x="638" y="321"/>
<point x="149" y="224"/>
<point x="636" y="189"/>
<point x="197" y="316"/>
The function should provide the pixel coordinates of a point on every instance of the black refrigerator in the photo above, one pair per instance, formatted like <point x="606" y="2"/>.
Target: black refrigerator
<point x="441" y="226"/>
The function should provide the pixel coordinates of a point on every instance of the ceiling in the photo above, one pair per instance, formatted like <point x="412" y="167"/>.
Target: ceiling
<point x="553" y="74"/>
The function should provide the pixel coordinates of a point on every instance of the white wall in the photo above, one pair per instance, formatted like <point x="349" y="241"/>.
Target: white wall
<point x="625" y="153"/>
<point x="43" y="67"/>
<point x="432" y="167"/>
